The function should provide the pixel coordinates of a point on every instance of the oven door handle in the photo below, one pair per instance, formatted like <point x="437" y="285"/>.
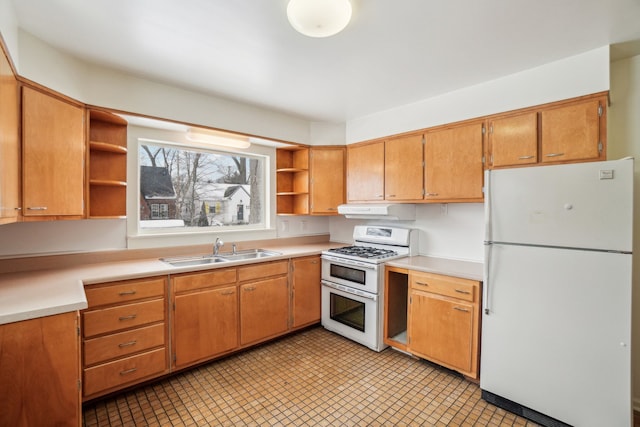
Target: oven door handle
<point x="349" y="263"/>
<point x="349" y="290"/>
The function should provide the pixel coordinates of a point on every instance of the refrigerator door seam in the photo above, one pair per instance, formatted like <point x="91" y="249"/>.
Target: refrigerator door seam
<point x="569" y="248"/>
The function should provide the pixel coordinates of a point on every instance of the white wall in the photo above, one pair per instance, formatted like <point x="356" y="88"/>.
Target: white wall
<point x="9" y="27"/>
<point x="567" y="78"/>
<point x="453" y="230"/>
<point x="624" y="140"/>
<point x="106" y="88"/>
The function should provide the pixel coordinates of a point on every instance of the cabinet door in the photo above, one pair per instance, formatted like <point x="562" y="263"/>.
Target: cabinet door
<point x="453" y="163"/>
<point x="40" y="372"/>
<point x="365" y="172"/>
<point x="573" y="132"/>
<point x="403" y="168"/>
<point x="327" y="180"/>
<point x="205" y="324"/>
<point x="54" y="156"/>
<point x="9" y="144"/>
<point x="306" y="291"/>
<point x="264" y="309"/>
<point x="513" y="140"/>
<point x="441" y="330"/>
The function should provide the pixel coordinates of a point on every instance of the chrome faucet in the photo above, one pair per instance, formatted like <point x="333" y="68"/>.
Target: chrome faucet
<point x="216" y="246"/>
<point x="233" y="249"/>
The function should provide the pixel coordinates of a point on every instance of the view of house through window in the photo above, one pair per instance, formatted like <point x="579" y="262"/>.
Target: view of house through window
<point x="192" y="187"/>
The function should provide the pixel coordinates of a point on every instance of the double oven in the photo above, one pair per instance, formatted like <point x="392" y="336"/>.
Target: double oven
<point x="353" y="282"/>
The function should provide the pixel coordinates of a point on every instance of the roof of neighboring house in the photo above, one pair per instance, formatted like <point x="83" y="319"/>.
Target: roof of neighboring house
<point x="155" y="183"/>
<point x="232" y="190"/>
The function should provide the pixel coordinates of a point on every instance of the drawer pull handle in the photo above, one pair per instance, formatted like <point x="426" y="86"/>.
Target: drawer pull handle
<point x="125" y="293"/>
<point x="128" y="371"/>
<point x="422" y="283"/>
<point x="555" y="154"/>
<point x="37" y="208"/>
<point x="461" y="309"/>
<point x="460" y="291"/>
<point x="525" y="157"/>
<point x="228" y="292"/>
<point x="129" y="317"/>
<point x="127" y="344"/>
<point x="250" y="288"/>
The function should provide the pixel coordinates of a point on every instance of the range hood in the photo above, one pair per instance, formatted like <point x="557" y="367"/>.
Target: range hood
<point x="378" y="211"/>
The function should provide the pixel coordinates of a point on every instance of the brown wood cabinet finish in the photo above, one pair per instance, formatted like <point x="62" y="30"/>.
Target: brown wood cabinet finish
<point x="403" y="168"/>
<point x="453" y="163"/>
<point x="327" y="184"/>
<point x="292" y="181"/>
<point x="513" y="140"/>
<point x="444" y="321"/>
<point x="39" y="372"/>
<point x="305" y="291"/>
<point x="53" y="148"/>
<point x="125" y="333"/>
<point x="107" y="168"/>
<point x="9" y="143"/>
<point x="572" y="132"/>
<point x="365" y="172"/>
<point x="264" y="309"/>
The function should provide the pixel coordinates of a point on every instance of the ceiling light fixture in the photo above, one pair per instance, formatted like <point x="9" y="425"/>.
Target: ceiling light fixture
<point x="319" y="18"/>
<point x="217" y="138"/>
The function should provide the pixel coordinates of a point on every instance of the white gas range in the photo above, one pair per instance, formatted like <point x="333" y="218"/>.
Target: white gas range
<point x="353" y="278"/>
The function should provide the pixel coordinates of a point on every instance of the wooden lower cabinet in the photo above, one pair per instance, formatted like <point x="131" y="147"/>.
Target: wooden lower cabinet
<point x="124" y="334"/>
<point x="39" y="375"/>
<point x="205" y="320"/>
<point x="435" y="317"/>
<point x="444" y="321"/>
<point x="305" y="290"/>
<point x="264" y="309"/>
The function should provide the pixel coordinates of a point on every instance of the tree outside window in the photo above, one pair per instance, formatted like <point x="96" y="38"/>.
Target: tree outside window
<point x="191" y="187"/>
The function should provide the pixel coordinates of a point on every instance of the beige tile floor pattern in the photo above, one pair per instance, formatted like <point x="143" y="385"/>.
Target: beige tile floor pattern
<point x="312" y="378"/>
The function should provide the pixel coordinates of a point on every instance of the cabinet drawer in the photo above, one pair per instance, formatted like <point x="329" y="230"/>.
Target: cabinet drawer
<point x="260" y="271"/>
<point x="123" y="371"/>
<point x="189" y="282"/>
<point x="118" y="292"/>
<point x="445" y="285"/>
<point x="122" y="344"/>
<point x="122" y="317"/>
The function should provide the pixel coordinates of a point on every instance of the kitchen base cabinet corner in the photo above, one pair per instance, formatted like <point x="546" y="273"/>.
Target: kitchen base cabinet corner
<point x="434" y="317"/>
<point x="124" y="334"/>
<point x="39" y="376"/>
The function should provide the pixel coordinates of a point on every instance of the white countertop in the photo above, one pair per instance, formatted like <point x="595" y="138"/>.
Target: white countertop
<point x="33" y="294"/>
<point x="450" y="267"/>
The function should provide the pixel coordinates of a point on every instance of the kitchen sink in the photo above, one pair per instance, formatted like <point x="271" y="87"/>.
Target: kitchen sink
<point x="194" y="260"/>
<point x="248" y="254"/>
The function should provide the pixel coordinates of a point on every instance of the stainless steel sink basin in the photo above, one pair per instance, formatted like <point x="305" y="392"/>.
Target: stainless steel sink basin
<point x="248" y="254"/>
<point x="194" y="260"/>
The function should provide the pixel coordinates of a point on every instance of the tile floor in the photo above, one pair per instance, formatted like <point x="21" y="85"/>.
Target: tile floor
<point x="312" y="378"/>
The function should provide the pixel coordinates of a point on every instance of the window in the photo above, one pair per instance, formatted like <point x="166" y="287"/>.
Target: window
<point x="195" y="188"/>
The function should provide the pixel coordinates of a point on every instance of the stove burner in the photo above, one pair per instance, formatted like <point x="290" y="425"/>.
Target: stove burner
<point x="364" y="252"/>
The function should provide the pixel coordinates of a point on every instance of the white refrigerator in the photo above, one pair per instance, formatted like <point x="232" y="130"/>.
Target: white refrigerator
<point x="556" y="323"/>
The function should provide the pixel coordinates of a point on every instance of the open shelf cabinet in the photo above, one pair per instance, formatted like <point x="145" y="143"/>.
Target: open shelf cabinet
<point x="292" y="181"/>
<point x="107" y="166"/>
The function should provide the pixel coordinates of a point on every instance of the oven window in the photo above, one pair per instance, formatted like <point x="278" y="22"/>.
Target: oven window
<point x="347" y="311"/>
<point x="348" y="273"/>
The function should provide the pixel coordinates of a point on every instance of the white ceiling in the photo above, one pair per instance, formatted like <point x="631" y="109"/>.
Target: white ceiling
<point x="394" y="52"/>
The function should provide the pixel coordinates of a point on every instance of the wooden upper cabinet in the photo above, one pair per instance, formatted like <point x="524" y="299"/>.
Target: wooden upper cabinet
<point x="513" y="140"/>
<point x="365" y="172"/>
<point x="327" y="185"/>
<point x="53" y="135"/>
<point x="453" y="163"/>
<point x="9" y="144"/>
<point x="574" y="131"/>
<point x="403" y="168"/>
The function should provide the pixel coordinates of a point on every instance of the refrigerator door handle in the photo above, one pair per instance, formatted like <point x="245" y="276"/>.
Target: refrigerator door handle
<point x="485" y="285"/>
<point x="487" y="206"/>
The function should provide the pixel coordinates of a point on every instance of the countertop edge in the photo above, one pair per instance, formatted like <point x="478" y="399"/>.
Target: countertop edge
<point x="471" y="270"/>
